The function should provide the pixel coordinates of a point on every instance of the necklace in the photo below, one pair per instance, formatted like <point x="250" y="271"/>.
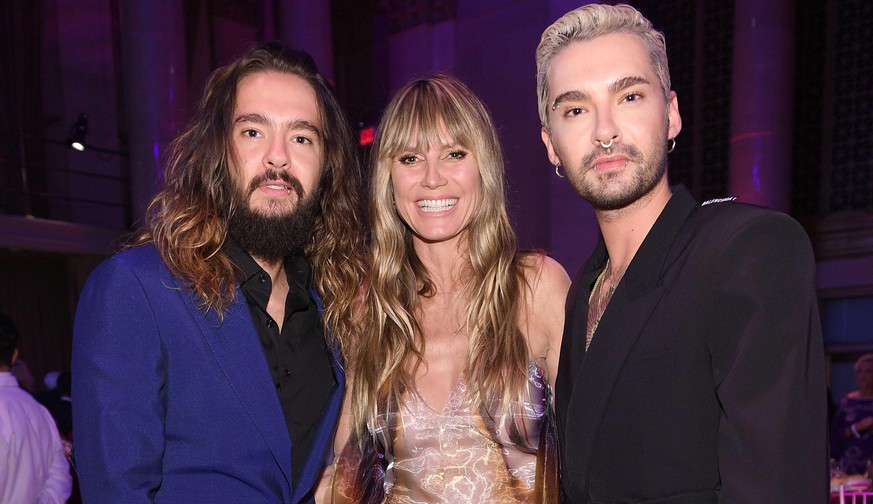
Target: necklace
<point x="601" y="297"/>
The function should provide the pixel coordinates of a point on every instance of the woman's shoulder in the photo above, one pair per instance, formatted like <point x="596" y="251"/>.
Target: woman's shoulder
<point x="545" y="295"/>
<point x="542" y="273"/>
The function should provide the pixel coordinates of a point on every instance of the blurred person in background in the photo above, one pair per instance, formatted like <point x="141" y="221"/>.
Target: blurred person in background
<point x="58" y="401"/>
<point x="852" y="427"/>
<point x="21" y="371"/>
<point x="33" y="463"/>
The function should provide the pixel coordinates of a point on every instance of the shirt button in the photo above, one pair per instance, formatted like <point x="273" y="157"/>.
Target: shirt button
<point x="262" y="278"/>
<point x="269" y="322"/>
<point x="287" y="372"/>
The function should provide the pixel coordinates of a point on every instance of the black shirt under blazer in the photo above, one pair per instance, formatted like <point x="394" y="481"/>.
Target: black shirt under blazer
<point x="705" y="379"/>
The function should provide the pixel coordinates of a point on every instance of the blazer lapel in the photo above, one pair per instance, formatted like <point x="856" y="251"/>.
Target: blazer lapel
<point x="615" y="337"/>
<point x="237" y="349"/>
<point x="633" y="303"/>
<point x="573" y="341"/>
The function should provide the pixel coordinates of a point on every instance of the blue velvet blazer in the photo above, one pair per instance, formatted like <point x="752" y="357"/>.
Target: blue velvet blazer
<point x="173" y="404"/>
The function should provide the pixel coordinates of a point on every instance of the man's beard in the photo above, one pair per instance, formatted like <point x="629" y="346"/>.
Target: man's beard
<point x="601" y="194"/>
<point x="274" y="237"/>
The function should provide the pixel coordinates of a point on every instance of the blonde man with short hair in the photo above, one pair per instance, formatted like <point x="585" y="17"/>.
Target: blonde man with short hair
<point x="692" y="367"/>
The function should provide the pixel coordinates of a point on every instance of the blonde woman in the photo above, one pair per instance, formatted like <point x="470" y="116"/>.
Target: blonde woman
<point x="450" y="400"/>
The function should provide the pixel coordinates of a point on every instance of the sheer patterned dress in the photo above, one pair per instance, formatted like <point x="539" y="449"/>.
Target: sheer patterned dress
<point x="456" y="455"/>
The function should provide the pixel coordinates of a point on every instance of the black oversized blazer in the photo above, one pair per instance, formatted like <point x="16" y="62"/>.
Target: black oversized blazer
<point x="705" y="379"/>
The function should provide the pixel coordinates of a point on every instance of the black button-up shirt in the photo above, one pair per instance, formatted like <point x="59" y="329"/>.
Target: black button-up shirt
<point x="298" y="357"/>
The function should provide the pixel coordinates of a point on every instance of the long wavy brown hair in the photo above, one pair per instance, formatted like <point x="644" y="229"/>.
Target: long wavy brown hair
<point x="493" y="280"/>
<point x="187" y="219"/>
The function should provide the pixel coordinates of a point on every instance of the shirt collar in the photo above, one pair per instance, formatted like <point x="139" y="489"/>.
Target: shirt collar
<point x="296" y="267"/>
<point x="7" y="379"/>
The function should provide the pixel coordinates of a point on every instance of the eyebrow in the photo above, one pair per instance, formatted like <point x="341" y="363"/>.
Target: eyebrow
<point x="293" y="125"/>
<point x="626" y="82"/>
<point x="615" y="87"/>
<point x="569" y="96"/>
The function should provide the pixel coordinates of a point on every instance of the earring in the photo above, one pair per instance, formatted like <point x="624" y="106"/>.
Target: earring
<point x="671" y="145"/>
<point x="558" y="171"/>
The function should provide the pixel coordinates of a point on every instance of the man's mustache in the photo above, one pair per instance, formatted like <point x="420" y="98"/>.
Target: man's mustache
<point x="629" y="151"/>
<point x="273" y="175"/>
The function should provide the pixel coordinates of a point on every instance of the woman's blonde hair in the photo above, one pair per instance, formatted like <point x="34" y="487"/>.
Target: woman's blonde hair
<point x="421" y="114"/>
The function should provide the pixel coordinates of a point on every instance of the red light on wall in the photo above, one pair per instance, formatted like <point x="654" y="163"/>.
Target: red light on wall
<point x="367" y="135"/>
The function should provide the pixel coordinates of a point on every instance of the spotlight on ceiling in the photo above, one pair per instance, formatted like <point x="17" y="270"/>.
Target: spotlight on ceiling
<point x="78" y="132"/>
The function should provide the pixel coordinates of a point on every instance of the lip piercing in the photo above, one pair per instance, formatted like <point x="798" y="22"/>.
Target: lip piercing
<point x="606" y="145"/>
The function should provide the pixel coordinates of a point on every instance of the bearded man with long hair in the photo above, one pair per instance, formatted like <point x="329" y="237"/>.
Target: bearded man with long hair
<point x="206" y="355"/>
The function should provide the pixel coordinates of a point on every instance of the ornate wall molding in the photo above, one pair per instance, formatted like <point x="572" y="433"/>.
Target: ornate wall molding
<point x="842" y="235"/>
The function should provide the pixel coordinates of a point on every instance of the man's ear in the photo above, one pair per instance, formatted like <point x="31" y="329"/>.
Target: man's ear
<point x="550" y="149"/>
<point x="11" y="361"/>
<point x="674" y="120"/>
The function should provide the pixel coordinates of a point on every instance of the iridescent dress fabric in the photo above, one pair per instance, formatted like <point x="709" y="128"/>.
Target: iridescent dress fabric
<point x="456" y="455"/>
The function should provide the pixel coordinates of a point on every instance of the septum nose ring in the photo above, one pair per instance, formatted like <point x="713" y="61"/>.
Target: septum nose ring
<point x="606" y="145"/>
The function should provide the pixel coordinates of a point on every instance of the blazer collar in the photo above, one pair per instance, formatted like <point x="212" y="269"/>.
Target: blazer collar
<point x="648" y="265"/>
<point x="592" y="380"/>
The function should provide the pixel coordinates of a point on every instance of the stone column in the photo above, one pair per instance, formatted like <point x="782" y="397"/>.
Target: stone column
<point x="155" y="80"/>
<point x="306" y="25"/>
<point x="761" y="101"/>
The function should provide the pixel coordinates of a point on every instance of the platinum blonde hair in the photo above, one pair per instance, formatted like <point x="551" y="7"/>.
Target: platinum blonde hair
<point x="589" y="22"/>
<point x="422" y="114"/>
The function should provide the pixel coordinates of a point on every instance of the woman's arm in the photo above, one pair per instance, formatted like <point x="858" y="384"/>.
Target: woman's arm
<point x="543" y="317"/>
